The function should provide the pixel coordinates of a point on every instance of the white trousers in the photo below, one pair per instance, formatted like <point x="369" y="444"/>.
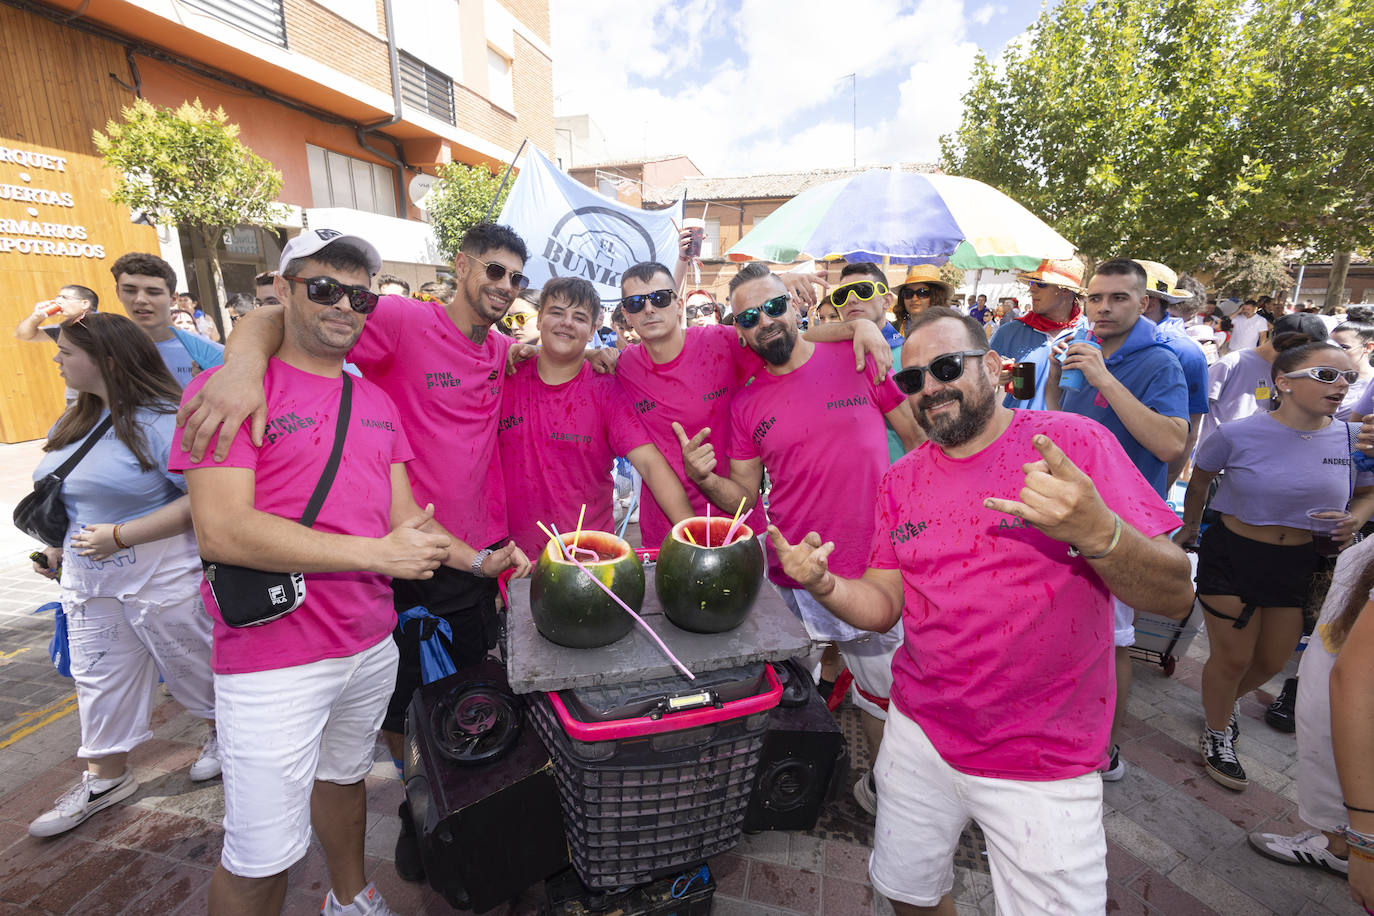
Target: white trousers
<point x="118" y="649"/>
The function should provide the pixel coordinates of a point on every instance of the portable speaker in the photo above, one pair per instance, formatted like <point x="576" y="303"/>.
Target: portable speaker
<point x="481" y="790"/>
<point x="804" y="759"/>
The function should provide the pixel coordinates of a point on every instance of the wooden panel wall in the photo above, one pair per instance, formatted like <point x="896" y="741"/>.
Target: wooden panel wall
<point x="58" y="89"/>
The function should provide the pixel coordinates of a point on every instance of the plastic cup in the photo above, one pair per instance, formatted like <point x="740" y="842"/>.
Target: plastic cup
<point x="696" y="229"/>
<point x="1324" y="523"/>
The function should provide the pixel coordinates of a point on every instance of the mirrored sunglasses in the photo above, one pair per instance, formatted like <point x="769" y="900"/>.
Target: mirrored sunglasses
<point x="327" y="291"/>
<point x="862" y="290"/>
<point x="773" y="308"/>
<point x="1327" y="374"/>
<point x="517" y="319"/>
<point x="659" y="298"/>
<point x="945" y="368"/>
<point x="496" y="271"/>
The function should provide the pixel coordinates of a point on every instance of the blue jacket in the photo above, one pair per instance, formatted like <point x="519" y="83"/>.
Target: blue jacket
<point x="1172" y="333"/>
<point x="1150" y="371"/>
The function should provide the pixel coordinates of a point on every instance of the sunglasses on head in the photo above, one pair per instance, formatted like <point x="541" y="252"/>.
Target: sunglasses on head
<point x="862" y="290"/>
<point x="327" y="291"/>
<point x="945" y="368"/>
<point x="1327" y="374"/>
<point x="773" y="308"/>
<point x="659" y="298"/>
<point x="915" y="292"/>
<point x="496" y="271"/>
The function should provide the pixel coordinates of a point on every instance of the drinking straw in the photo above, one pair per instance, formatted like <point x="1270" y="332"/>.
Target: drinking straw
<point x="639" y="620"/>
<point x="734" y="525"/>
<point x="551" y="535"/>
<point x="567" y="554"/>
<point x="688" y="531"/>
<point x="708" y="524"/>
<point x="577" y="535"/>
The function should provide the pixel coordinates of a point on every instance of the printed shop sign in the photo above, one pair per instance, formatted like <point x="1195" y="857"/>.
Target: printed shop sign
<point x="572" y="231"/>
<point x="35" y="207"/>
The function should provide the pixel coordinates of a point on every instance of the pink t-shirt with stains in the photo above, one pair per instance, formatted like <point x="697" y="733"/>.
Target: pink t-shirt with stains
<point x="1007" y="663"/>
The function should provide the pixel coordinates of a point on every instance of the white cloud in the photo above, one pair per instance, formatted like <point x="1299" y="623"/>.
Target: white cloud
<point x="985" y="14"/>
<point x="742" y="89"/>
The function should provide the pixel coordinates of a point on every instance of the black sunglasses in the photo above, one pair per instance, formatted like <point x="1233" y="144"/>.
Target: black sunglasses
<point x="946" y="368"/>
<point x="773" y="308"/>
<point x="327" y="291"/>
<point x="918" y="292"/>
<point x="660" y="298"/>
<point x="496" y="271"/>
<point x="694" y="311"/>
<point x="863" y="289"/>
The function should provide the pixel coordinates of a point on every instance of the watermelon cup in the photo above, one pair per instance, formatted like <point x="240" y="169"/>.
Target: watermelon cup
<point x="708" y="589"/>
<point x="569" y="608"/>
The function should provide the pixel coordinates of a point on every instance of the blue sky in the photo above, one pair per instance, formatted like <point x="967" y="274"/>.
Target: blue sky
<point x="746" y="86"/>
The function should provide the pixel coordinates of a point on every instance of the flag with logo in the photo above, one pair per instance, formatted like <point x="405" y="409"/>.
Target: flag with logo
<point x="572" y="231"/>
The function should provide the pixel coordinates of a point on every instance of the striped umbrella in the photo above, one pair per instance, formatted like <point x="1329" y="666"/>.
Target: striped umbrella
<point x="907" y="218"/>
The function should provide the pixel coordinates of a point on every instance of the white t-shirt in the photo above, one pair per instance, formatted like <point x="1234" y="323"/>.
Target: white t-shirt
<point x="1245" y="332"/>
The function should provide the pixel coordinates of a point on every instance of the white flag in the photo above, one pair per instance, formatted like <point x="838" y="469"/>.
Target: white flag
<point x="572" y="231"/>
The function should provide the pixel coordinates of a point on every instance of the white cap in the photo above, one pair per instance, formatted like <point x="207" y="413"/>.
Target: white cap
<point x="312" y="240"/>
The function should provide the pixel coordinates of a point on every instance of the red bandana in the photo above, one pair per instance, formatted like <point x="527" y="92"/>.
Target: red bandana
<point x="1048" y="326"/>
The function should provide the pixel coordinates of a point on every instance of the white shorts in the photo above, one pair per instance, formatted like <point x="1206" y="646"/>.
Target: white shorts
<point x="1046" y="846"/>
<point x="279" y="732"/>
<point x="118" y="649"/>
<point x="1123" y="632"/>
<point x="867" y="655"/>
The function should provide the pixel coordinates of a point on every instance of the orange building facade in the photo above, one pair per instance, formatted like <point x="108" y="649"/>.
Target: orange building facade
<point x="309" y="85"/>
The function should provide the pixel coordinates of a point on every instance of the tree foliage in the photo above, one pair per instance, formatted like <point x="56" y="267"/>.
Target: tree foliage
<point x="1174" y="129"/>
<point x="460" y="200"/>
<point x="1250" y="274"/>
<point x="188" y="166"/>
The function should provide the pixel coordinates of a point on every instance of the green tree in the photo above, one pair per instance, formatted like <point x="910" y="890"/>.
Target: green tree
<point x="1177" y="129"/>
<point x="1248" y="275"/>
<point x="460" y="200"/>
<point x="189" y="168"/>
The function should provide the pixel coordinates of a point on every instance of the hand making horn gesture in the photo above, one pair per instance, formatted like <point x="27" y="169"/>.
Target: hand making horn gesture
<point x="1060" y="500"/>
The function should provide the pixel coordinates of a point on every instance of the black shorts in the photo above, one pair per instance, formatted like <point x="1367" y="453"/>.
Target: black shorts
<point x="1264" y="575"/>
<point x="467" y="602"/>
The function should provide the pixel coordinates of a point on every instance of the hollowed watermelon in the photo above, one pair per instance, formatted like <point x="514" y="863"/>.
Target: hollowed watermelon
<point x="569" y="608"/>
<point x="708" y="589"/>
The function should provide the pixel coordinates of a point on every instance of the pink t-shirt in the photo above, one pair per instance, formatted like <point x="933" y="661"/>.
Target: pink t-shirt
<point x="821" y="435"/>
<point x="1007" y="663"/>
<point x="556" y="444"/>
<point x="343" y="612"/>
<point x="695" y="390"/>
<point x="447" y="390"/>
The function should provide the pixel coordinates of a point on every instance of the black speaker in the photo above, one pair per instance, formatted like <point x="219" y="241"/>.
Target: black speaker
<point x="804" y="760"/>
<point x="481" y="790"/>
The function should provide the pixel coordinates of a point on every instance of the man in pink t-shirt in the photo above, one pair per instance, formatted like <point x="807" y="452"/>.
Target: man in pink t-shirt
<point x="817" y="426"/>
<point x="688" y="375"/>
<point x="562" y="425"/>
<point x="300" y="699"/>
<point x="444" y="368"/>
<point x="1002" y="692"/>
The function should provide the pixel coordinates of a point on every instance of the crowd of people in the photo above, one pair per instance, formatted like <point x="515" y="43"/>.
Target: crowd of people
<point x="966" y="505"/>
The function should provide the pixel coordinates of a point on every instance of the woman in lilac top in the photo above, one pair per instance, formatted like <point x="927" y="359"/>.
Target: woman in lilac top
<point x="1255" y="565"/>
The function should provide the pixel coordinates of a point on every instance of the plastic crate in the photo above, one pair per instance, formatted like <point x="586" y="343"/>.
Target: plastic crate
<point x="565" y="895"/>
<point x="647" y="803"/>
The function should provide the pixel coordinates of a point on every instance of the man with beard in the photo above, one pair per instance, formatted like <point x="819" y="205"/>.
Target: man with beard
<point x="444" y="370"/>
<point x="300" y="698"/>
<point x="1002" y="693"/>
<point x="816" y="425"/>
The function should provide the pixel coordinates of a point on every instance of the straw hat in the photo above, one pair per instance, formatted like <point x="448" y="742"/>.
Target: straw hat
<point x="1162" y="282"/>
<point x="928" y="274"/>
<point x="1067" y="273"/>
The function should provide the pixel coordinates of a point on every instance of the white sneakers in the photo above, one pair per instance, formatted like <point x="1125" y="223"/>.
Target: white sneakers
<point x="369" y="902"/>
<point x="1306" y="848"/>
<point x="87" y="797"/>
<point x="207" y="765"/>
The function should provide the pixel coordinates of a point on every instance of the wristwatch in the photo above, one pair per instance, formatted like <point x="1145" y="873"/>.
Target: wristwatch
<point x="478" y="559"/>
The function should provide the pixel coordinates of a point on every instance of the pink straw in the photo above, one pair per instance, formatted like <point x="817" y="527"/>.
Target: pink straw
<point x="616" y="598"/>
<point x="708" y="525"/>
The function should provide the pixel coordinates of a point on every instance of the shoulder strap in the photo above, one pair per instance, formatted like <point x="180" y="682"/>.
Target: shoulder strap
<point x="94" y="437"/>
<point x="312" y="509"/>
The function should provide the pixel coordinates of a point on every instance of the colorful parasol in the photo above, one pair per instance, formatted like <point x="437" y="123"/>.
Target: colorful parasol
<point x="908" y="218"/>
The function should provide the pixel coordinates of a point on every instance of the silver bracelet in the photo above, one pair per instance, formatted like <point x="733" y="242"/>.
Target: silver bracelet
<point x="1116" y="539"/>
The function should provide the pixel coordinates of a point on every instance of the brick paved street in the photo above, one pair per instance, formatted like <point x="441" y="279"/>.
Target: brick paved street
<point x="1176" y="839"/>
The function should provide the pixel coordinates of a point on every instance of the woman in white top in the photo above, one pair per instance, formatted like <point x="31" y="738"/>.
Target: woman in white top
<point x="1356" y="338"/>
<point x="130" y="570"/>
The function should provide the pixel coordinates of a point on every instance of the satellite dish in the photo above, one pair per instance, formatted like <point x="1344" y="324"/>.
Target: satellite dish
<point x="420" y="186"/>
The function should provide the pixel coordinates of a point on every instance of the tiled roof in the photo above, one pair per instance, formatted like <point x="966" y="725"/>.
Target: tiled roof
<point x="783" y="185"/>
<point x="623" y="163"/>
